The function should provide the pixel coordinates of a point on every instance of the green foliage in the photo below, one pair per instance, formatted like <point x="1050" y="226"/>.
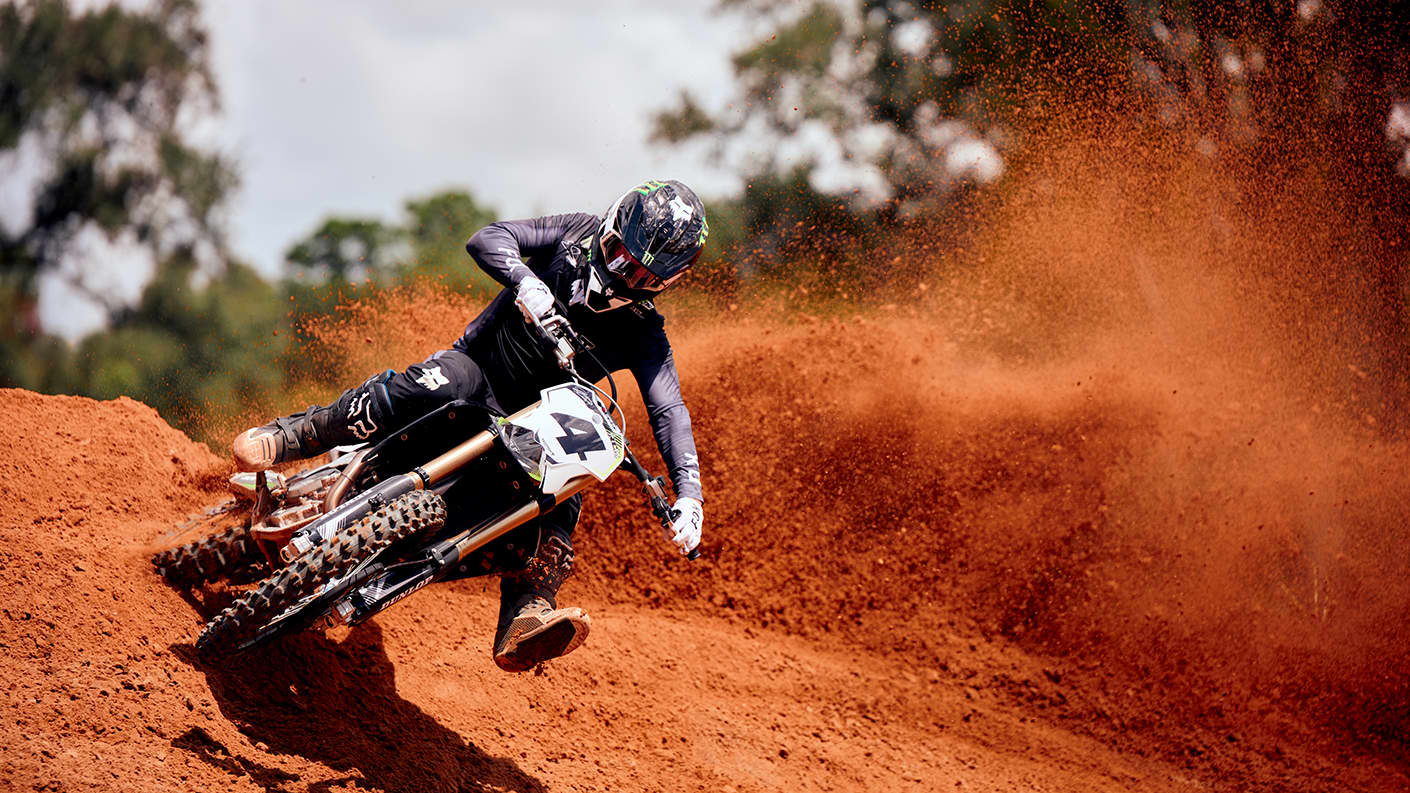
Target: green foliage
<point x="1243" y="75"/>
<point x="686" y="121"/>
<point x="190" y="352"/>
<point x="438" y="227"/>
<point x="1262" y="85"/>
<point x="429" y="242"/>
<point x="32" y="359"/>
<point x="801" y="48"/>
<point x="344" y="249"/>
<point x="1267" y="93"/>
<point x="100" y="93"/>
<point x="879" y="77"/>
<point x="214" y="350"/>
<point x="788" y="223"/>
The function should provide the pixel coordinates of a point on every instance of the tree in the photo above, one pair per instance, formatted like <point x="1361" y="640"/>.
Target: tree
<point x="438" y="227"/>
<point x="1267" y="91"/>
<point x="96" y="105"/>
<point x="430" y="241"/>
<point x="876" y="91"/>
<point x="891" y="86"/>
<point x="344" y="250"/>
<point x="101" y="97"/>
<point x="192" y="354"/>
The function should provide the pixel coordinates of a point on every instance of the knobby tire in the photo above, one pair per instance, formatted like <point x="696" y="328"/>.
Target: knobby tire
<point x="220" y="555"/>
<point x="240" y="625"/>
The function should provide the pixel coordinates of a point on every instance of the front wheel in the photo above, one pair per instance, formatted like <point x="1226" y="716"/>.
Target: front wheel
<point x="254" y="618"/>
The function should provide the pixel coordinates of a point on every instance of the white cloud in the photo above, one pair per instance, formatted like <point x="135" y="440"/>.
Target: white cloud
<point x="352" y="108"/>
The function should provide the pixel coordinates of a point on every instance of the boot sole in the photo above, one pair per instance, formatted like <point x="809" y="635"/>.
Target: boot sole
<point x="555" y="639"/>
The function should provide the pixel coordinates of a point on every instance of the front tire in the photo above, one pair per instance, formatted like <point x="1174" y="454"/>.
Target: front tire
<point x="247" y="621"/>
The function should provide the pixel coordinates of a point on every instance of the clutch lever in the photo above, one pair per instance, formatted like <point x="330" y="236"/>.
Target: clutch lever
<point x="556" y="332"/>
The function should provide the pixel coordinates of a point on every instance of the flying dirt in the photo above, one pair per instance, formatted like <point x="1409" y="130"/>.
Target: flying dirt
<point x="1100" y="520"/>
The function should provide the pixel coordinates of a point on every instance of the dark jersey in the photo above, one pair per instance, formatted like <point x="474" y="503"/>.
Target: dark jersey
<point x="631" y="338"/>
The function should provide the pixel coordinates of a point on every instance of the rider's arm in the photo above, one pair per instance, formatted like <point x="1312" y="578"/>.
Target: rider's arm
<point x="655" y="372"/>
<point x="500" y="247"/>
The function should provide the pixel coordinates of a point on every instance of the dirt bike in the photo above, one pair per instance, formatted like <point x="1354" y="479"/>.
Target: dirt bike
<point x="437" y="500"/>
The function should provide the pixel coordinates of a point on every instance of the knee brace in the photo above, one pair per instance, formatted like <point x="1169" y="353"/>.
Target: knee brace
<point x="361" y="414"/>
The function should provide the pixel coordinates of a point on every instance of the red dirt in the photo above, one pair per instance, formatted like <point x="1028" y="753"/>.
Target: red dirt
<point x="1005" y="604"/>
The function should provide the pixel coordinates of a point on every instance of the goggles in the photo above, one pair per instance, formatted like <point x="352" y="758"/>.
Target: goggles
<point x="625" y="267"/>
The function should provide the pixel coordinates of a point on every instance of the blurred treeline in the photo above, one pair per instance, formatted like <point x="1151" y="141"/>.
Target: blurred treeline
<point x="856" y="123"/>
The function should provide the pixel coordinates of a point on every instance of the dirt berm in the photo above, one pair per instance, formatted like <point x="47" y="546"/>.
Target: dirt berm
<point x="930" y="576"/>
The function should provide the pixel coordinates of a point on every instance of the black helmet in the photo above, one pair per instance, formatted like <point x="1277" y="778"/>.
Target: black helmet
<point x="647" y="241"/>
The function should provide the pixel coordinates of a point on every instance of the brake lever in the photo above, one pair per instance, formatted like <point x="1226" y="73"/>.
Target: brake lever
<point x="656" y="488"/>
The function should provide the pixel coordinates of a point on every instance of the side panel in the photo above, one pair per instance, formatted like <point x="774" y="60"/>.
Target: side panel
<point x="424" y="439"/>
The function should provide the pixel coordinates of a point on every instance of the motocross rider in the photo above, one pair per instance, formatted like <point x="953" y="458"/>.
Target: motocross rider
<point x="602" y="274"/>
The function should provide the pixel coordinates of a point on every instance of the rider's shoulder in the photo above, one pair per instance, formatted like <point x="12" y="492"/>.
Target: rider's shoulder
<point x="577" y="225"/>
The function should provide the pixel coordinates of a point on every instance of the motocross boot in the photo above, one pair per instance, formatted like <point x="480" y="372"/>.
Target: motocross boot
<point x="532" y="629"/>
<point x="360" y="414"/>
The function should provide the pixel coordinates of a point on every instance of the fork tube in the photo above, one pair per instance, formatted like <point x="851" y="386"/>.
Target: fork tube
<point x="474" y="539"/>
<point x="441" y="467"/>
<point x="445" y="465"/>
<point x="471" y="541"/>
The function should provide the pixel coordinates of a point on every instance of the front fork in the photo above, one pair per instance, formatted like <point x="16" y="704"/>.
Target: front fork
<point x="382" y="586"/>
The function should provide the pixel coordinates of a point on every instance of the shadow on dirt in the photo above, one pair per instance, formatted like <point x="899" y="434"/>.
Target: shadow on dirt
<point x="214" y="753"/>
<point x="336" y="704"/>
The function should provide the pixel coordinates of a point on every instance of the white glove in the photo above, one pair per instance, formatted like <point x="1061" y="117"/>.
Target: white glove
<point x="535" y="296"/>
<point x="684" y="532"/>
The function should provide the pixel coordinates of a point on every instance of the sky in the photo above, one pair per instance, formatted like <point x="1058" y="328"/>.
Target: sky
<point x="353" y="107"/>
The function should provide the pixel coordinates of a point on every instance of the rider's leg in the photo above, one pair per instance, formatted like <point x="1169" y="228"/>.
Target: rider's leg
<point x="357" y="415"/>
<point x="532" y="629"/>
<point x="366" y="413"/>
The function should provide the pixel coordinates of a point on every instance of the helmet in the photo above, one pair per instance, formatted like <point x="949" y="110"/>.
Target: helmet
<point x="648" y="240"/>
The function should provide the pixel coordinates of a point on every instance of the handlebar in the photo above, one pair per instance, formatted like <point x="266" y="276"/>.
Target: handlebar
<point x="558" y="334"/>
<point x="555" y="330"/>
